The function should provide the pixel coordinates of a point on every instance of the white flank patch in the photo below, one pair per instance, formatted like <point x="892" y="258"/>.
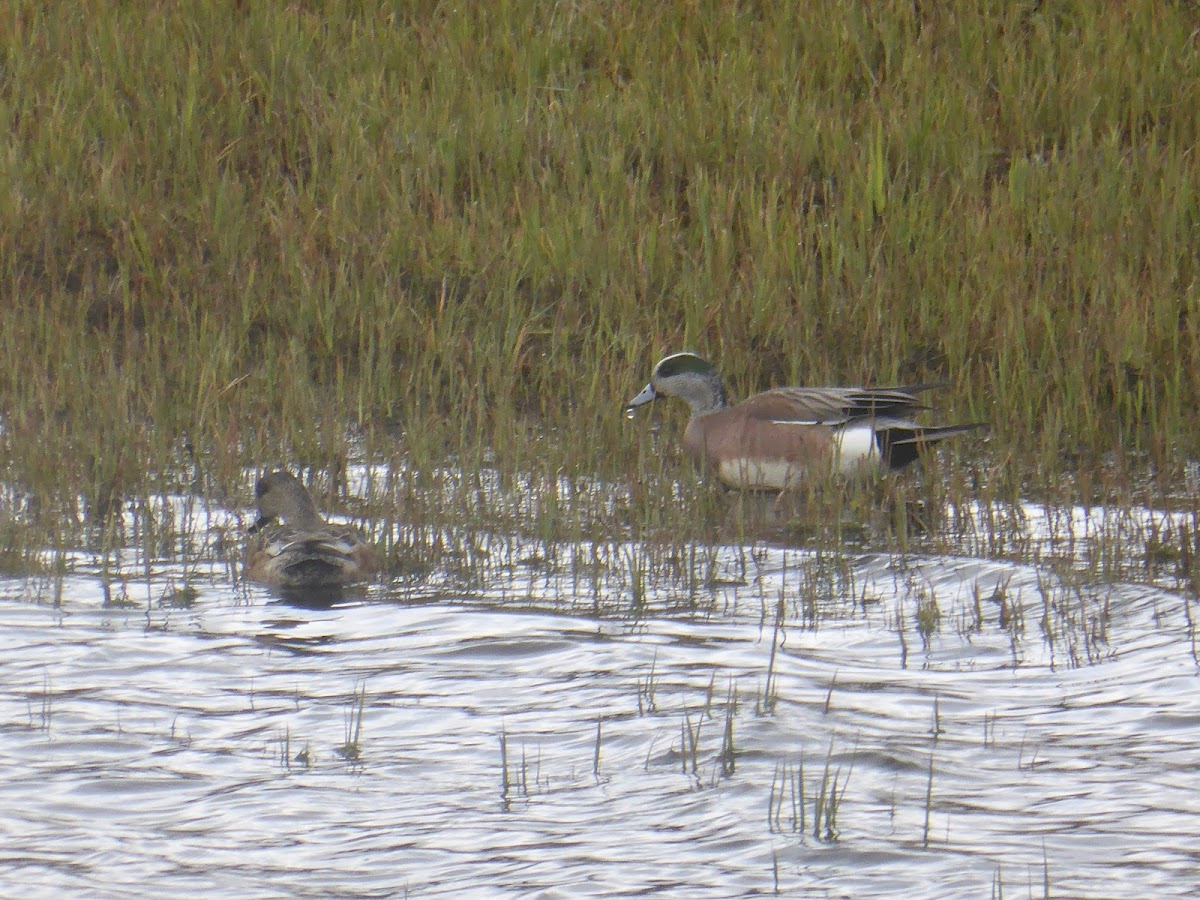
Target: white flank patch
<point x="758" y="473"/>
<point x="854" y="453"/>
<point x="855" y="449"/>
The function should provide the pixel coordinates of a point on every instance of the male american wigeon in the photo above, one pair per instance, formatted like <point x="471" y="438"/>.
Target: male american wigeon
<point x="291" y="546"/>
<point x="774" y="439"/>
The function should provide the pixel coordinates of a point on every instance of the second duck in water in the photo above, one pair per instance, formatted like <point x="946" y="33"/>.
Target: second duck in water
<point x="292" y="546"/>
<point x="773" y="440"/>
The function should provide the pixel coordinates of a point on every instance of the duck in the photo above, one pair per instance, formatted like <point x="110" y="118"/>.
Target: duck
<point x="776" y="439"/>
<point x="291" y="546"/>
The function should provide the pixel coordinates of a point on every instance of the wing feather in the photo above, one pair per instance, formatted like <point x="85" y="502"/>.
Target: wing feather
<point x="832" y="405"/>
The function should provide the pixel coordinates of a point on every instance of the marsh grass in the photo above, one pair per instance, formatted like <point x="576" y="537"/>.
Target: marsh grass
<point x="452" y="241"/>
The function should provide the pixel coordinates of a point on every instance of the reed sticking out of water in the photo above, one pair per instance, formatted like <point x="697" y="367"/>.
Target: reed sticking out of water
<point x="1011" y="618"/>
<point x="1188" y="603"/>
<point x="596" y="753"/>
<point x="1075" y="616"/>
<point x="929" y="615"/>
<point x="47" y="706"/>
<point x="525" y="771"/>
<point x="928" y="803"/>
<point x="646" y="689"/>
<point x="900" y="634"/>
<point x="637" y="581"/>
<point x="689" y="743"/>
<point x="728" y="756"/>
<point x="505" y="783"/>
<point x="829" y="695"/>
<point x="770" y="693"/>
<point x="351" y="748"/>
<point x="788" y="787"/>
<point x="828" y="799"/>
<point x="286" y="759"/>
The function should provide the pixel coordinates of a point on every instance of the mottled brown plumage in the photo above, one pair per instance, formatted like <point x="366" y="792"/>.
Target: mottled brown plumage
<point x="292" y="546"/>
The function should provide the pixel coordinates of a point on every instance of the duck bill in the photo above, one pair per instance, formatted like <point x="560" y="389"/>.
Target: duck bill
<point x="646" y="396"/>
<point x="259" y="524"/>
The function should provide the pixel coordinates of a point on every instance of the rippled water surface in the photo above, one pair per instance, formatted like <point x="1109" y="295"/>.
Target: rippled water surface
<point x="535" y="733"/>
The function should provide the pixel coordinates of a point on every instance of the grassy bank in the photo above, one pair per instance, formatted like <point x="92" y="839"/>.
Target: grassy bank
<point x="235" y="234"/>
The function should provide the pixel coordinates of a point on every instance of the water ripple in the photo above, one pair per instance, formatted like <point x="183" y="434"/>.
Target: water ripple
<point x="518" y="738"/>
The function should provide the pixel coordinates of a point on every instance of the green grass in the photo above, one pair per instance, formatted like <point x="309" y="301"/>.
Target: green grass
<point x="241" y="234"/>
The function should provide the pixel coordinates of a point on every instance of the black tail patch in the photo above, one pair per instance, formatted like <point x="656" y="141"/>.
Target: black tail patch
<point x="314" y="571"/>
<point x="316" y="564"/>
<point x="900" y="443"/>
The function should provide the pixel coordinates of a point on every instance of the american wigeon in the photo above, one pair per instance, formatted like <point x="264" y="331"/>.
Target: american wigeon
<point x="772" y="440"/>
<point x="301" y="550"/>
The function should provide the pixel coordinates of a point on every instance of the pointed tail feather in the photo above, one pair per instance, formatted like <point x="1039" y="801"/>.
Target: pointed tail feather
<point x="902" y="442"/>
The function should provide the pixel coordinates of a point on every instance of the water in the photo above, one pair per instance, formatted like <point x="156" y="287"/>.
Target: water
<point x="157" y="749"/>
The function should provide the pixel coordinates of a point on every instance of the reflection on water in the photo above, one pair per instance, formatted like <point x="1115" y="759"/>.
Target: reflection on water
<point x="977" y="723"/>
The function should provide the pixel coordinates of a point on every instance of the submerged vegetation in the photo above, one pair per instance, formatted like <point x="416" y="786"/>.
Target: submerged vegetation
<point x="453" y="239"/>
